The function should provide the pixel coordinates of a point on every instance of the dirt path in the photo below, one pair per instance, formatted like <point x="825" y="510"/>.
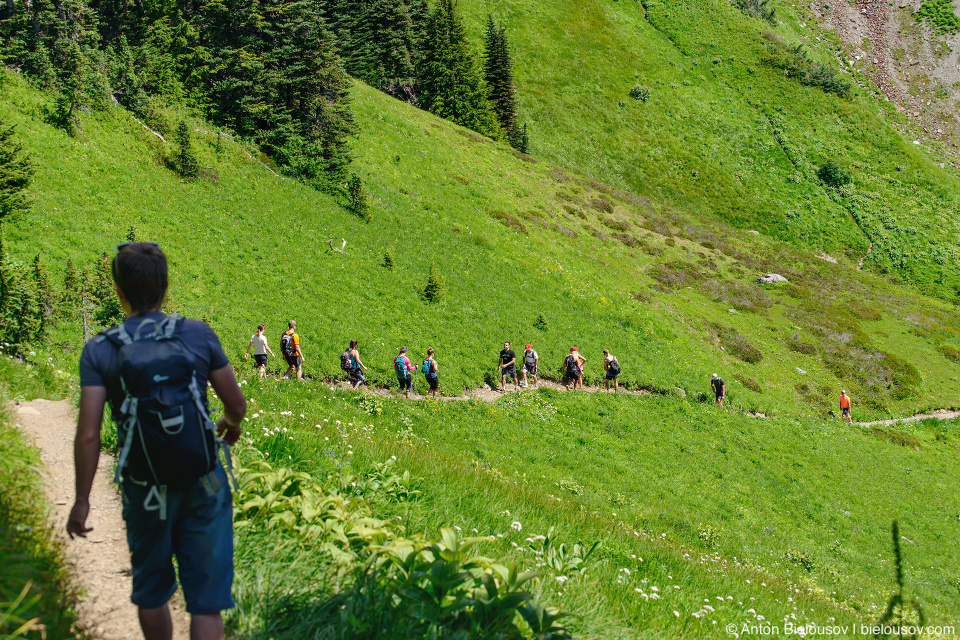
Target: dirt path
<point x="939" y="414"/>
<point x="101" y="563"/>
<point x="485" y="393"/>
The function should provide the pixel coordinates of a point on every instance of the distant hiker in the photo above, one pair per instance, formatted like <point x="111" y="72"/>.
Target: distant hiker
<point x="845" y="407"/>
<point x="530" y="361"/>
<point x="429" y="369"/>
<point x="260" y="350"/>
<point x="719" y="389"/>
<point x="612" y="368"/>
<point x="350" y="362"/>
<point x="508" y="367"/>
<point x="153" y="369"/>
<point x="572" y="368"/>
<point x="290" y="348"/>
<point x="403" y="367"/>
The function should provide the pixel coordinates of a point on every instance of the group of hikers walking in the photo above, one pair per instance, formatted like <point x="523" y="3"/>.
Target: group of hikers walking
<point x="571" y="369"/>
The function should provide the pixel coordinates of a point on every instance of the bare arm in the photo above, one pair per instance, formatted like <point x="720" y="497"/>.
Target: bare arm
<point x="249" y="344"/>
<point x="234" y="404"/>
<point x="86" y="455"/>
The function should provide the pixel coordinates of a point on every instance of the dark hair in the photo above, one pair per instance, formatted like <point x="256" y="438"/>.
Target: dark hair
<point x="140" y="270"/>
<point x="430" y="351"/>
<point x="353" y="344"/>
<point x="259" y="327"/>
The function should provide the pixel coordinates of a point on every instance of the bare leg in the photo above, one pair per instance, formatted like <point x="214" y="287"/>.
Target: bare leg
<point x="206" y="627"/>
<point x="616" y="385"/>
<point x="299" y="373"/>
<point x="156" y="623"/>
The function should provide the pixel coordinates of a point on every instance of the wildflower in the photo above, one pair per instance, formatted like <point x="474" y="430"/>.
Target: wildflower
<point x="654" y="589"/>
<point x="561" y="579"/>
<point x="516" y="526"/>
<point x="456" y="527"/>
<point x="676" y="613"/>
<point x="506" y="513"/>
<point x="393" y="457"/>
<point x="654" y="596"/>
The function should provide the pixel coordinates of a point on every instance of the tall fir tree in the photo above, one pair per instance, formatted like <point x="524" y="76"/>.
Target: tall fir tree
<point x="71" y="282"/>
<point x="307" y="89"/>
<point x="498" y="73"/>
<point x="16" y="172"/>
<point x="450" y="85"/>
<point x="46" y="297"/>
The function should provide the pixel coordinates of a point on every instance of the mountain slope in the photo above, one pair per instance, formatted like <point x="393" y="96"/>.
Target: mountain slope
<point x="725" y="133"/>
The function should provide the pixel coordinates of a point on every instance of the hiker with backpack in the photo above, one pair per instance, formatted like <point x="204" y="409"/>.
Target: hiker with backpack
<point x="429" y="369"/>
<point x="530" y="361"/>
<point x="611" y="367"/>
<point x="402" y="366"/>
<point x="507" y="364"/>
<point x="350" y="362"/>
<point x="260" y="350"/>
<point x="572" y="368"/>
<point x="719" y="389"/>
<point x="290" y="348"/>
<point x="153" y="369"/>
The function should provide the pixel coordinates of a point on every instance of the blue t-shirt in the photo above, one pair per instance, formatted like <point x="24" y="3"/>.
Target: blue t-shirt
<point x="99" y="366"/>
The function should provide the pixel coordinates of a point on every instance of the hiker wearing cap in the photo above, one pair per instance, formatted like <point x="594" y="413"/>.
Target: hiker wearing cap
<point x="429" y="369"/>
<point x="572" y="368"/>
<point x="507" y="364"/>
<point x="260" y="350"/>
<point x="719" y="389"/>
<point x="403" y="367"/>
<point x="530" y="362"/>
<point x="611" y="367"/>
<point x="845" y="407"/>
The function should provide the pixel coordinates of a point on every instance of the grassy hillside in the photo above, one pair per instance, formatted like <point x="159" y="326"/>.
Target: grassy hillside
<point x="755" y="511"/>
<point x="725" y="133"/>
<point x="670" y="294"/>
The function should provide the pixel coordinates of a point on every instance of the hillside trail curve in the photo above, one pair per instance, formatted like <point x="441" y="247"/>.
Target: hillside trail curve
<point x="100" y="564"/>
<point x="938" y="414"/>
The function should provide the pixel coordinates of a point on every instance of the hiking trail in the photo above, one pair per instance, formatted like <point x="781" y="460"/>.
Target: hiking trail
<point x="939" y="414"/>
<point x="485" y="393"/>
<point x="100" y="565"/>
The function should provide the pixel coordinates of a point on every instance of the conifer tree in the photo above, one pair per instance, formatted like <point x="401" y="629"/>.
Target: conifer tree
<point x="186" y="160"/>
<point x="307" y="89"/>
<point x="450" y="85"/>
<point x="359" y="202"/>
<point x="46" y="299"/>
<point x="16" y="171"/>
<point x="436" y="286"/>
<point x="498" y="73"/>
<point x="71" y="282"/>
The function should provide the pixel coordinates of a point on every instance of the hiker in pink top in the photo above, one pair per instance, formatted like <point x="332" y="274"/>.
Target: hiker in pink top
<point x="403" y="367"/>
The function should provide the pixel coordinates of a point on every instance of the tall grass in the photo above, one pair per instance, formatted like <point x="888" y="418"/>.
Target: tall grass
<point x="36" y="599"/>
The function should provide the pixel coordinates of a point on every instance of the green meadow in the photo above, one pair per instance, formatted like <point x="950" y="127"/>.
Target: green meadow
<point x="635" y="226"/>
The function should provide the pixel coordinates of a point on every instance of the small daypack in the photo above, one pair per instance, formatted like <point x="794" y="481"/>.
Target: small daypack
<point x="530" y="357"/>
<point x="614" y="366"/>
<point x="286" y="344"/>
<point x="573" y="369"/>
<point x="346" y="361"/>
<point x="427" y="367"/>
<point x="401" y="367"/>
<point x="165" y="436"/>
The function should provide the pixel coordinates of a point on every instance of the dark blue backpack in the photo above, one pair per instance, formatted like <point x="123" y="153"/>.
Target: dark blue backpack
<point x="164" y="432"/>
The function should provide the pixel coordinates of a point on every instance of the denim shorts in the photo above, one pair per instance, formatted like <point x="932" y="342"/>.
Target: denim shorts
<point x="198" y="530"/>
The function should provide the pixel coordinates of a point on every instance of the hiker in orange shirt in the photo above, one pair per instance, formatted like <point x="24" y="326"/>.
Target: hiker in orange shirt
<point x="845" y="407"/>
